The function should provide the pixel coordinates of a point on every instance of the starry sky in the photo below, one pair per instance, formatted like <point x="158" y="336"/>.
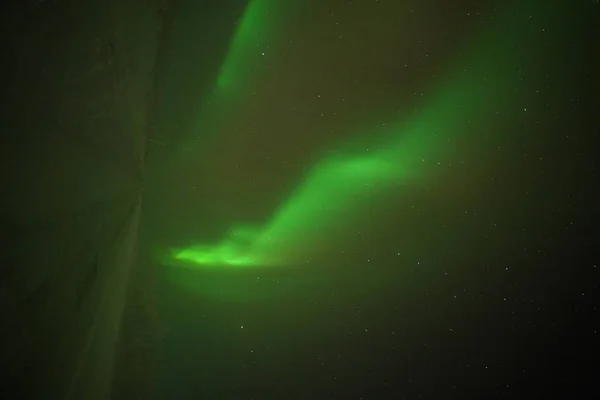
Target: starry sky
<point x="375" y="199"/>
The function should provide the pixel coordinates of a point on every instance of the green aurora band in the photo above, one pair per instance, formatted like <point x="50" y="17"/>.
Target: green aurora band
<point x="251" y="41"/>
<point x="340" y="188"/>
<point x="255" y="35"/>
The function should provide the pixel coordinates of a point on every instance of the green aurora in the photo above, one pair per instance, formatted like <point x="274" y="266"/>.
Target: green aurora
<point x="340" y="188"/>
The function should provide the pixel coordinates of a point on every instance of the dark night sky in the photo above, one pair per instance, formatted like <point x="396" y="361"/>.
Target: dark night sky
<point x="451" y="253"/>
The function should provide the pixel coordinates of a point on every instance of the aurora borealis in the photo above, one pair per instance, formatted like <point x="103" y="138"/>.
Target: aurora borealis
<point x="366" y="191"/>
<point x="477" y="88"/>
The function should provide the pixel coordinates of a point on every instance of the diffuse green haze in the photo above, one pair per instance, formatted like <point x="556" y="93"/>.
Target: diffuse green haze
<point x="251" y="41"/>
<point x="339" y="189"/>
<point x="250" y="48"/>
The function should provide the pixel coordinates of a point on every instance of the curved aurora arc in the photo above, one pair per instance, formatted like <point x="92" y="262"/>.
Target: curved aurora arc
<point x="339" y="188"/>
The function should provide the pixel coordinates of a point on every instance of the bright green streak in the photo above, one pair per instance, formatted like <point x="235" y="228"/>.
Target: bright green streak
<point x="338" y="190"/>
<point x="250" y="50"/>
<point x="229" y="252"/>
<point x="251" y="42"/>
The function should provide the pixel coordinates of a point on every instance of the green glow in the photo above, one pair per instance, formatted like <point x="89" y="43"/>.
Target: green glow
<point x="249" y="52"/>
<point x="229" y="252"/>
<point x="341" y="188"/>
<point x="251" y="42"/>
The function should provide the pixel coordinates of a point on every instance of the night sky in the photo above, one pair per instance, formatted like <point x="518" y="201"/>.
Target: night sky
<point x="376" y="199"/>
